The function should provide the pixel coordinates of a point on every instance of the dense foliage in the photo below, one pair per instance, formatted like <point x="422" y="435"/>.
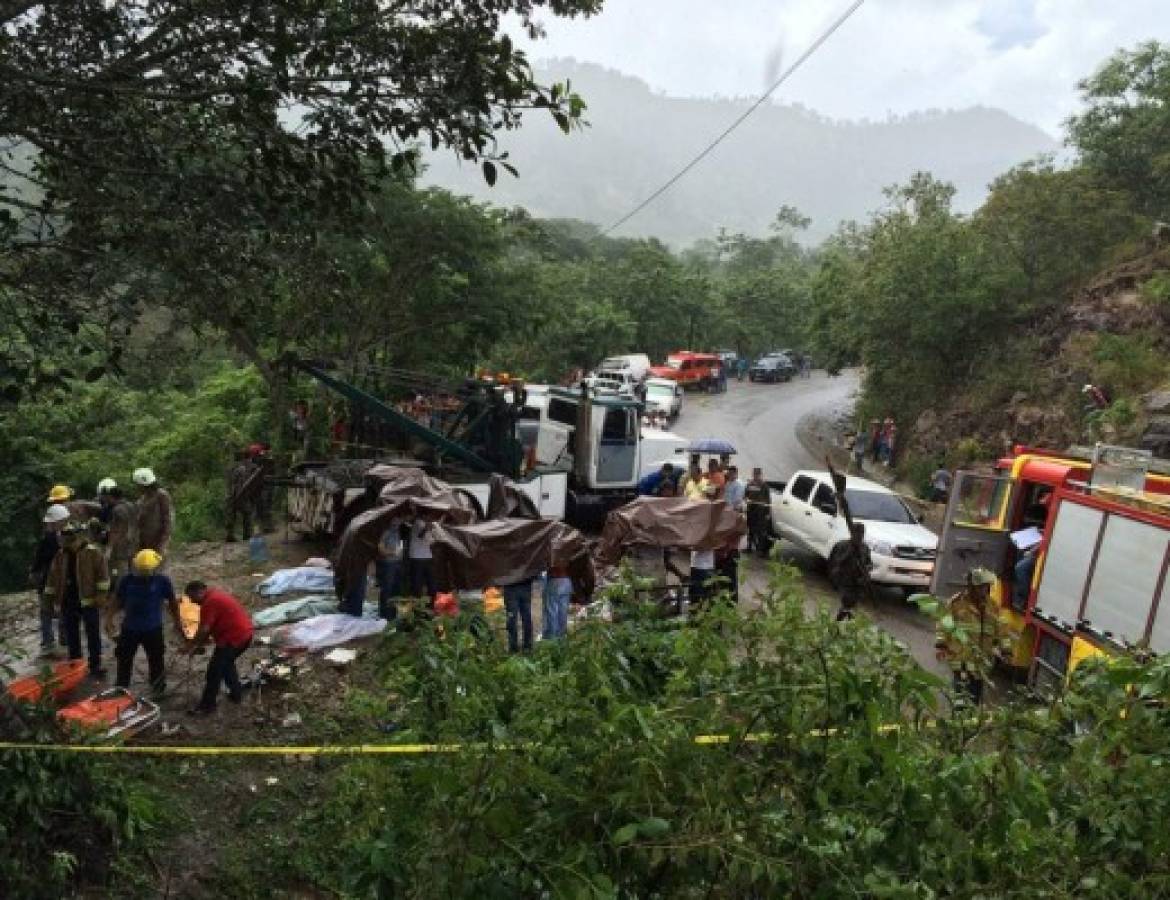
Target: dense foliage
<point x="581" y="776"/>
<point x="67" y="821"/>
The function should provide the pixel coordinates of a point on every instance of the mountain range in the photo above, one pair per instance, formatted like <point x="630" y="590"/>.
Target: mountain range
<point x="636" y="138"/>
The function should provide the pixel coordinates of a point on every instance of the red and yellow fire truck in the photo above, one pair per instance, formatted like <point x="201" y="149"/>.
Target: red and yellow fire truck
<point x="1080" y="549"/>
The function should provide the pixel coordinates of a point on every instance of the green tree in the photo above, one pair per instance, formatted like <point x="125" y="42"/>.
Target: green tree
<point x="1123" y="135"/>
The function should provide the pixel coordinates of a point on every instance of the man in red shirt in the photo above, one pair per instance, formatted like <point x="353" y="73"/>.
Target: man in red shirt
<point x="225" y="621"/>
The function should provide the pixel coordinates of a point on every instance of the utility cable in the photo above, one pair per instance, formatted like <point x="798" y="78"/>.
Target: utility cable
<point x="816" y="45"/>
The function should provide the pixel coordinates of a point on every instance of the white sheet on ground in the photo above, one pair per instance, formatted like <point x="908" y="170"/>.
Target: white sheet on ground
<point x="309" y="579"/>
<point x="328" y="631"/>
<point x="304" y="608"/>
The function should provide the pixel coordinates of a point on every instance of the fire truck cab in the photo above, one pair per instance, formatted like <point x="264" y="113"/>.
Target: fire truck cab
<point x="1080" y="549"/>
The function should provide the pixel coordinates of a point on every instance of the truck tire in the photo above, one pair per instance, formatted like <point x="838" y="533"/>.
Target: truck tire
<point x="835" y="562"/>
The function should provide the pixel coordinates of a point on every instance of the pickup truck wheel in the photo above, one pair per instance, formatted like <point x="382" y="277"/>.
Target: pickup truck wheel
<point x="836" y="562"/>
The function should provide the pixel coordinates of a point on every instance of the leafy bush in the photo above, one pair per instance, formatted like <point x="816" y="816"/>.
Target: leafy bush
<point x="1157" y="289"/>
<point x="1128" y="364"/>
<point x="581" y="777"/>
<point x="64" y="818"/>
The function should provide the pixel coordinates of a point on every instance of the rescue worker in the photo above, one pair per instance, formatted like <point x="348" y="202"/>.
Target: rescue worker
<point x="758" y="501"/>
<point x="388" y="570"/>
<point x="518" y="612"/>
<point x="103" y="492"/>
<point x="79" y="582"/>
<point x="242" y="481"/>
<point x="140" y="597"/>
<point x="262" y="499"/>
<point x="54" y="520"/>
<point x="119" y="533"/>
<point x="223" y="619"/>
<point x="850" y="566"/>
<point x="697" y="484"/>
<point x="976" y="636"/>
<point x="156" y="513"/>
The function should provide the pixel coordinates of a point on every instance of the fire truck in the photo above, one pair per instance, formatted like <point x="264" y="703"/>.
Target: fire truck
<point x="1080" y="548"/>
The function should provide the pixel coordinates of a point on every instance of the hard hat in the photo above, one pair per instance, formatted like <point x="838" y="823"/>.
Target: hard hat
<point x="982" y="576"/>
<point x="60" y="493"/>
<point x="106" y="485"/>
<point x="144" y="477"/>
<point x="147" y="560"/>
<point x="55" y="513"/>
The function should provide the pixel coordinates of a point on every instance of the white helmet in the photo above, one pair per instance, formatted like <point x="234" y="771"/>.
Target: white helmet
<point x="55" y="514"/>
<point x="144" y="477"/>
<point x="106" y="485"/>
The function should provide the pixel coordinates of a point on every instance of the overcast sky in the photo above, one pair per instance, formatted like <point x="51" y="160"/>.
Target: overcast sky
<point x="893" y="56"/>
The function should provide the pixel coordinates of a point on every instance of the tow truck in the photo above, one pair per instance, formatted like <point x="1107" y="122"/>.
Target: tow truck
<point x="1099" y="528"/>
<point x="587" y="458"/>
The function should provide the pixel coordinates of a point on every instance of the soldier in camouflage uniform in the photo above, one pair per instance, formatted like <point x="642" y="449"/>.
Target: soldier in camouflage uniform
<point x="849" y="566"/>
<point x="244" y="480"/>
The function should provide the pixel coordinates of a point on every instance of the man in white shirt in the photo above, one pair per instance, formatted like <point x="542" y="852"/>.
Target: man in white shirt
<point x="702" y="571"/>
<point x="422" y="572"/>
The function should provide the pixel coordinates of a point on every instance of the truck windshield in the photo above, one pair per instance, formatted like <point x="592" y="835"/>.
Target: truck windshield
<point x="659" y="391"/>
<point x="674" y="362"/>
<point x="878" y="507"/>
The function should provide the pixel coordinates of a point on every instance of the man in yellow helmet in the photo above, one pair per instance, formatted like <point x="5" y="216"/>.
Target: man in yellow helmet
<point x="78" y="582"/>
<point x="140" y="597"/>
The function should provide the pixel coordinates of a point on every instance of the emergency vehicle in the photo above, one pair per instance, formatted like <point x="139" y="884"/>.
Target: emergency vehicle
<point x="1080" y="548"/>
<point x="690" y="369"/>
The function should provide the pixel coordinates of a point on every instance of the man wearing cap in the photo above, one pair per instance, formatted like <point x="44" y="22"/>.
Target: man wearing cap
<point x="140" y="597"/>
<point x="78" y="583"/>
<point x="48" y="546"/>
<point x="156" y="513"/>
<point x="222" y="618"/>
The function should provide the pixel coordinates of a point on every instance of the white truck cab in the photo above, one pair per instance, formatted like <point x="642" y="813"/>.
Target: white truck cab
<point x="805" y="512"/>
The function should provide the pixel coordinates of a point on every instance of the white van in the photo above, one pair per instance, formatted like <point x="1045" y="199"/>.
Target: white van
<point x="637" y="365"/>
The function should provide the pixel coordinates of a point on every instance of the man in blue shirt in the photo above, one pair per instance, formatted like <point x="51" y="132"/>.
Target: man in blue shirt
<point x="734" y="490"/>
<point x="141" y="596"/>
<point x="651" y="485"/>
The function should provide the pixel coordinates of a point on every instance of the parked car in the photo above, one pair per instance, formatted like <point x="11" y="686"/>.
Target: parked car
<point x="804" y="511"/>
<point x="771" y="369"/>
<point x="636" y="365"/>
<point x="620" y="384"/>
<point x="664" y="396"/>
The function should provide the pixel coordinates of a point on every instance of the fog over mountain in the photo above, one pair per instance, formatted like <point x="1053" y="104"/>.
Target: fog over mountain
<point x="636" y="139"/>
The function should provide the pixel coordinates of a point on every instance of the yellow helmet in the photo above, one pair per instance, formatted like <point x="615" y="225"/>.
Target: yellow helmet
<point x="60" y="493"/>
<point x="147" y="561"/>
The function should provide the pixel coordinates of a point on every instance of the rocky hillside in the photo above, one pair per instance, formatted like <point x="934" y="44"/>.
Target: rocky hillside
<point x="1114" y="333"/>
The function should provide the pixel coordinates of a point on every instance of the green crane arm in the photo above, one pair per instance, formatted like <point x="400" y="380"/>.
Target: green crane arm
<point x="372" y="404"/>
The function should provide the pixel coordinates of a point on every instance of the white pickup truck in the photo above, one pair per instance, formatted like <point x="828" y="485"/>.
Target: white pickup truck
<point x="804" y="511"/>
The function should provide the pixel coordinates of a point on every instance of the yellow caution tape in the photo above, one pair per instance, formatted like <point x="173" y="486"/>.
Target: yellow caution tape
<point x="377" y="749"/>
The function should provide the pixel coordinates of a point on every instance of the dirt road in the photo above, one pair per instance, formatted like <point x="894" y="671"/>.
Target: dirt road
<point x="765" y="422"/>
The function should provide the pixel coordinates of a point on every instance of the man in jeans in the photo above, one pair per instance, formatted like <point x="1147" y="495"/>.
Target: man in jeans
<point x="141" y="597"/>
<point x="558" y="591"/>
<point x="79" y="581"/>
<point x="518" y="604"/>
<point x="225" y="621"/>
<point x="388" y="568"/>
<point x="47" y="548"/>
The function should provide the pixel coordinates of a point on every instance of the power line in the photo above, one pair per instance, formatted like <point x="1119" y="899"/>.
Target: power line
<point x="816" y="45"/>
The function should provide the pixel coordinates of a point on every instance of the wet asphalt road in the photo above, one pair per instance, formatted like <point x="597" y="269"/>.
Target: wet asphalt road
<point x="764" y="422"/>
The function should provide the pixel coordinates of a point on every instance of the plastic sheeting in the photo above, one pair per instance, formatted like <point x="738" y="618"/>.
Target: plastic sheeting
<point x="303" y="608"/>
<point x="328" y="631"/>
<point x="508" y="551"/>
<point x="408" y="494"/>
<point x="307" y="579"/>
<point x="506" y="501"/>
<point x="674" y="522"/>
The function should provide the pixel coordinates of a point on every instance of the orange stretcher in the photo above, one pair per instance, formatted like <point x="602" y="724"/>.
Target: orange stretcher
<point x="60" y="679"/>
<point x="115" y="710"/>
<point x="188" y="616"/>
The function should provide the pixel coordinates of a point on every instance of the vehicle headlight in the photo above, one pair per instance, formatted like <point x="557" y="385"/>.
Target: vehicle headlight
<point x="881" y="548"/>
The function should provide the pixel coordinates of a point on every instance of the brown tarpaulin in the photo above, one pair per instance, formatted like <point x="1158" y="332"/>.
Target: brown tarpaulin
<point x="668" y="522"/>
<point x="407" y="495"/>
<point x="506" y="501"/>
<point x="508" y="551"/>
